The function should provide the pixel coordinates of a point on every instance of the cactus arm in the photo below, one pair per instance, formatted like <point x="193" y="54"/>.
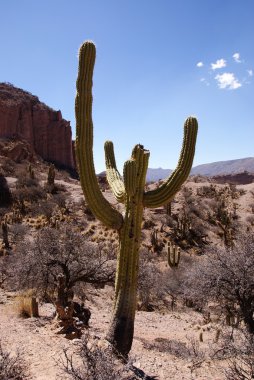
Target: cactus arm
<point x="100" y="207"/>
<point x="113" y="176"/>
<point x="164" y="193"/>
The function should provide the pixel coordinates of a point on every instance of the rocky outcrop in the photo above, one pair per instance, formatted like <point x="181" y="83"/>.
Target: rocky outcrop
<point x="17" y="150"/>
<point x="234" y="179"/>
<point x="23" y="116"/>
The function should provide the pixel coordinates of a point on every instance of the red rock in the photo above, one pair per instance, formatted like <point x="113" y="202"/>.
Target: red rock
<point x="23" y="116"/>
<point x="17" y="150"/>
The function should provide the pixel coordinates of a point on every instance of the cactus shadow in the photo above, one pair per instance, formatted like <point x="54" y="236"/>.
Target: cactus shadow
<point x="141" y="374"/>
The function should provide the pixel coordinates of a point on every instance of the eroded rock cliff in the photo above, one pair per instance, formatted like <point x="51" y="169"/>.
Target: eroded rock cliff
<point x="23" y="116"/>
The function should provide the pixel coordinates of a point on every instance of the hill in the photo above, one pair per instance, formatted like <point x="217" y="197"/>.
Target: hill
<point x="225" y="167"/>
<point x="212" y="169"/>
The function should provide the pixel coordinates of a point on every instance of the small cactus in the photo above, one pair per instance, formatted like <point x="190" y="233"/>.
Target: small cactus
<point x="156" y="246"/>
<point x="217" y="335"/>
<point x="168" y="208"/>
<point x="173" y="255"/>
<point x="51" y="175"/>
<point x="31" y="171"/>
<point x="5" y="234"/>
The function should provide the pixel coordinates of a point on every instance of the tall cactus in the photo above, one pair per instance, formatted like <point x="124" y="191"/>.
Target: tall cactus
<point x="128" y="189"/>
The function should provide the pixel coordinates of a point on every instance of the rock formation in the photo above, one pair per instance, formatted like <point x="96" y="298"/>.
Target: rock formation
<point x="23" y="116"/>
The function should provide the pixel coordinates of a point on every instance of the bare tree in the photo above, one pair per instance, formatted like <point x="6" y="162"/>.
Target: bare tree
<point x="226" y="276"/>
<point x="40" y="260"/>
<point x="241" y="361"/>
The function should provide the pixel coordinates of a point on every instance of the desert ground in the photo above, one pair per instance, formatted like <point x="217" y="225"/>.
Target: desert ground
<point x="172" y="340"/>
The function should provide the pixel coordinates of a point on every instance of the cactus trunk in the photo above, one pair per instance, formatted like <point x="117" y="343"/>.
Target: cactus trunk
<point x="122" y="323"/>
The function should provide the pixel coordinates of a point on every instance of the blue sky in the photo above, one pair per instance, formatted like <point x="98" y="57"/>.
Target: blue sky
<point x="158" y="61"/>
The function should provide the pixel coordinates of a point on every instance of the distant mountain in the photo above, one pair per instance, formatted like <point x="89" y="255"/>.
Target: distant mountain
<point x="153" y="175"/>
<point x="157" y="174"/>
<point x="225" y="167"/>
<point x="214" y="169"/>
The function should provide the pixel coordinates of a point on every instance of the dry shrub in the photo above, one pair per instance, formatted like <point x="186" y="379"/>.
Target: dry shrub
<point x="241" y="360"/>
<point x="225" y="276"/>
<point x="18" y="232"/>
<point x="147" y="224"/>
<point x="12" y="367"/>
<point x="98" y="362"/>
<point x="60" y="200"/>
<point x="149" y="281"/>
<point x="3" y="271"/>
<point x="250" y="220"/>
<point x="28" y="194"/>
<point x="172" y="346"/>
<point x="26" y="304"/>
<point x="7" y="166"/>
<point x="157" y="288"/>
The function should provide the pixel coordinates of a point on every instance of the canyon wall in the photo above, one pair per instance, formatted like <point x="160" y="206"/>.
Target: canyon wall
<point x="23" y="116"/>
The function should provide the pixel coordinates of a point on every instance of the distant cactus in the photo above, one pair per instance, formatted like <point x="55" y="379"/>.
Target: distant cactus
<point x="30" y="171"/>
<point x="217" y="335"/>
<point x="156" y="246"/>
<point x="5" y="234"/>
<point x="173" y="255"/>
<point x="51" y="175"/>
<point x="183" y="225"/>
<point x="168" y="208"/>
<point x="130" y="190"/>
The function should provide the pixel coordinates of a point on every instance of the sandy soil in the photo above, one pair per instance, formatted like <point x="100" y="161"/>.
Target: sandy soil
<point x="161" y="347"/>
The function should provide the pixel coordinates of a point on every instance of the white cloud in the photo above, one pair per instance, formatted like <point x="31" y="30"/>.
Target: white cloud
<point x="236" y="57"/>
<point x="250" y="72"/>
<point x="203" y="80"/>
<point x="227" y="81"/>
<point x="219" y="64"/>
<point x="200" y="64"/>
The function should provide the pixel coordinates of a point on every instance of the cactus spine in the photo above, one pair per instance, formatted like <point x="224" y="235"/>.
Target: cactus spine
<point x="129" y="189"/>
